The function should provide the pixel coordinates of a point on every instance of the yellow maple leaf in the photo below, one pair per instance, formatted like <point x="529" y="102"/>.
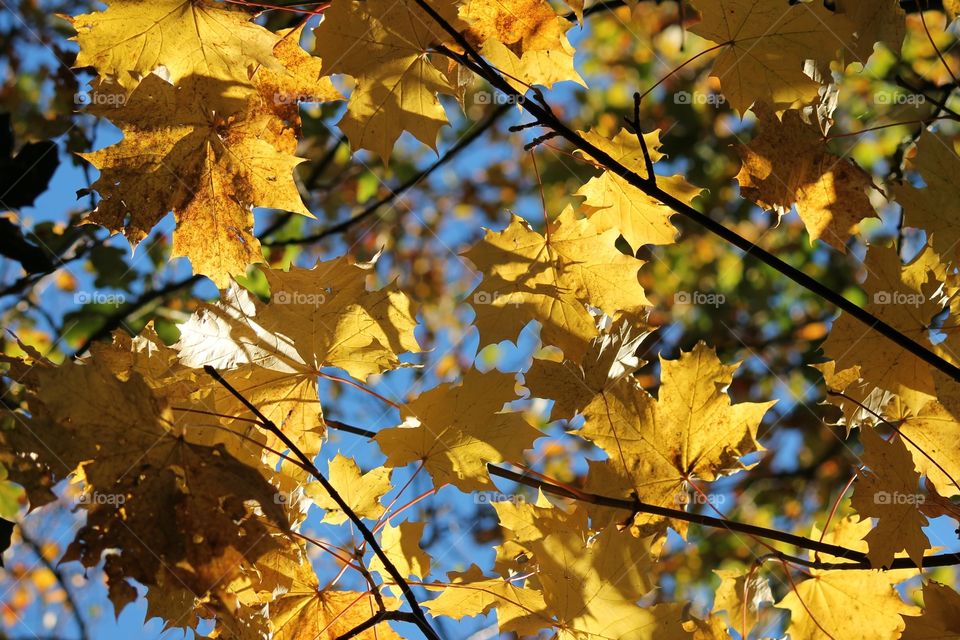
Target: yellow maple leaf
<point x="613" y="203"/>
<point x="930" y="208"/>
<point x="525" y="39"/>
<point x="850" y="604"/>
<point x="134" y="38"/>
<point x="593" y="592"/>
<point x="206" y="151"/>
<point x="519" y="609"/>
<point x="383" y="45"/>
<point x="552" y="278"/>
<point x="787" y="162"/>
<point x="362" y="492"/>
<point x="889" y="490"/>
<point x="145" y="483"/>
<point x="401" y="545"/>
<point x="903" y="297"/>
<point x="656" y="447"/>
<point x="766" y="46"/>
<point x="457" y="429"/>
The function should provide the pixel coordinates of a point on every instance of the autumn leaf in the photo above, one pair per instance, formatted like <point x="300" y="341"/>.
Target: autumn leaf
<point x="904" y="297"/>
<point x="929" y="208"/>
<point x="788" y="162"/>
<point x="889" y="491"/>
<point x="765" y="47"/>
<point x="156" y="503"/>
<point x="207" y="152"/>
<point x="553" y="278"/>
<point x="383" y="45"/>
<point x="939" y="619"/>
<point x="613" y="203"/>
<point x="362" y="492"/>
<point x="401" y="544"/>
<point x="134" y="38"/>
<point x="455" y="430"/>
<point x="690" y="433"/>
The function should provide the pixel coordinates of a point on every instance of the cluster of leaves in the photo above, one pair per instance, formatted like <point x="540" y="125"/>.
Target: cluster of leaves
<point x="196" y="457"/>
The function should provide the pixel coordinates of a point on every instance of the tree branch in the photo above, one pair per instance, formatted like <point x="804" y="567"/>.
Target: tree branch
<point x="395" y="192"/>
<point x="547" y="118"/>
<point x="420" y="618"/>
<point x="858" y="559"/>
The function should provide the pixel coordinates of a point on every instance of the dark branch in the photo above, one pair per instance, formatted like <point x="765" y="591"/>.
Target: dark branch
<point x="399" y="580"/>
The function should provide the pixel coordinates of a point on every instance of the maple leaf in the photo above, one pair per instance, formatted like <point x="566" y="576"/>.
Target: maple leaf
<point x="401" y="545"/>
<point x="851" y="604"/>
<point x="613" y="203"/>
<point x="939" y="618"/>
<point x="904" y="297"/>
<point x="930" y="208"/>
<point x="519" y="609"/>
<point x="155" y="502"/>
<point x="766" y="46"/>
<point x="787" y="162"/>
<point x="656" y="447"/>
<point x="553" y="278"/>
<point x="933" y="431"/>
<point x="573" y="385"/>
<point x="874" y="22"/>
<point x="525" y="39"/>
<point x="889" y="491"/>
<point x="134" y="38"/>
<point x="457" y="429"/>
<point x="382" y="44"/>
<point x="594" y="593"/>
<point x="319" y="317"/>
<point x="204" y="150"/>
<point x="362" y="493"/>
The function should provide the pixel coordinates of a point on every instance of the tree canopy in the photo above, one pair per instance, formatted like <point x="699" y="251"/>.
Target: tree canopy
<point x="610" y="320"/>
